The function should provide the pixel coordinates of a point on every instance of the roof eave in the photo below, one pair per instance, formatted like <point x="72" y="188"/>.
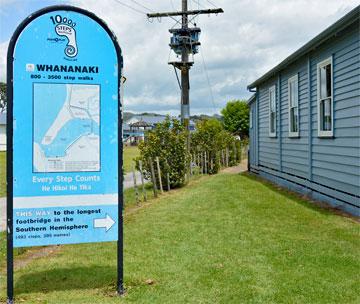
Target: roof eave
<point x="339" y="25"/>
<point x="251" y="99"/>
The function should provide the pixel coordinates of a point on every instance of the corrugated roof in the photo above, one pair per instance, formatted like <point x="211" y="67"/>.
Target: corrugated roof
<point x="151" y="119"/>
<point x="141" y="124"/>
<point x="339" y="25"/>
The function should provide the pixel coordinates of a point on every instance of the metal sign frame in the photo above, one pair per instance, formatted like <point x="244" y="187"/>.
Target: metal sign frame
<point x="9" y="133"/>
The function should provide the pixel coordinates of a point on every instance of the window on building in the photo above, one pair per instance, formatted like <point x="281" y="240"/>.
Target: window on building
<point x="293" y="99"/>
<point x="325" y="98"/>
<point x="272" y="112"/>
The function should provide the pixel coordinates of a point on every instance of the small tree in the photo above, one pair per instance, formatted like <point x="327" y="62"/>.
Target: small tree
<point x="236" y="117"/>
<point x="210" y="137"/>
<point x="168" y="142"/>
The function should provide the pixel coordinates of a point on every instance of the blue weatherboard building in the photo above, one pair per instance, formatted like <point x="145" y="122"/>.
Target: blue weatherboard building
<point x="305" y="118"/>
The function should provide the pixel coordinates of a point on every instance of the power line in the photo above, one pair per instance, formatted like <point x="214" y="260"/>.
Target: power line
<point x="142" y="12"/>
<point x="198" y="7"/>
<point x="198" y="3"/>
<point x="143" y="6"/>
<point x="130" y="7"/>
<point x="210" y="2"/>
<point x="208" y="79"/>
<point x="150" y="10"/>
<point x="172" y="4"/>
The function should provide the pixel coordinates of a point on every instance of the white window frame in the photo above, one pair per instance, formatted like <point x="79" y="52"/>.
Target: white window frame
<point x="272" y="89"/>
<point x="328" y="133"/>
<point x="292" y="79"/>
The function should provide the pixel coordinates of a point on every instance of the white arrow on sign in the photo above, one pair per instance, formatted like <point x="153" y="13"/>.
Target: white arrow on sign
<point x="106" y="222"/>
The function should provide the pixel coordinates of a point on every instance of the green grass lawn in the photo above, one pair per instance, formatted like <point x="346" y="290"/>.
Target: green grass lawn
<point x="129" y="154"/>
<point x="223" y="239"/>
<point x="2" y="174"/>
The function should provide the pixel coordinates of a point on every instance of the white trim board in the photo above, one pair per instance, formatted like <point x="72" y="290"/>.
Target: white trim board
<point x="321" y="64"/>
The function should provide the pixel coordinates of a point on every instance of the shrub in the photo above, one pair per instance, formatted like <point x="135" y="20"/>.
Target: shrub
<point x="168" y="142"/>
<point x="210" y="137"/>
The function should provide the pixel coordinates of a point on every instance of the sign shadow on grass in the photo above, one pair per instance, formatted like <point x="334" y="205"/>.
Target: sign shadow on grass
<point x="70" y="278"/>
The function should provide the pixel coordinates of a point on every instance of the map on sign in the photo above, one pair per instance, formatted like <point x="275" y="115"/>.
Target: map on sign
<point x="66" y="130"/>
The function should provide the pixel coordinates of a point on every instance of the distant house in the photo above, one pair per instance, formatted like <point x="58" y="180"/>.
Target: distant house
<point x="134" y="128"/>
<point x="305" y="118"/>
<point x="135" y="131"/>
<point x="2" y="131"/>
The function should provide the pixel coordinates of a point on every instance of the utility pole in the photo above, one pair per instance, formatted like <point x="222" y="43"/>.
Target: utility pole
<point x="185" y="67"/>
<point x="185" y="41"/>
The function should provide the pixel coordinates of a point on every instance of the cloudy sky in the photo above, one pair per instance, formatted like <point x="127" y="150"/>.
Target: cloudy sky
<point x="238" y="46"/>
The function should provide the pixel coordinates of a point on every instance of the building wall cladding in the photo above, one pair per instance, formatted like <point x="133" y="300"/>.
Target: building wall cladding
<point x="330" y="166"/>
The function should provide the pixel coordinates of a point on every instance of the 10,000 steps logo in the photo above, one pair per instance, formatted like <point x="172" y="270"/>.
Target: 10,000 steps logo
<point x="65" y="27"/>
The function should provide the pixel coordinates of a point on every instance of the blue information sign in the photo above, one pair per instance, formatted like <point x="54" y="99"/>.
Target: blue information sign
<point x="66" y="159"/>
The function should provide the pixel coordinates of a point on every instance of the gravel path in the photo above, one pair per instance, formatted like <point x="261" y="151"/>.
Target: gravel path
<point x="242" y="167"/>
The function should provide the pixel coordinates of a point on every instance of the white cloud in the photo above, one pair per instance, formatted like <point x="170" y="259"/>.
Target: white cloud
<point x="240" y="45"/>
<point x="3" y="56"/>
<point x="7" y="2"/>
